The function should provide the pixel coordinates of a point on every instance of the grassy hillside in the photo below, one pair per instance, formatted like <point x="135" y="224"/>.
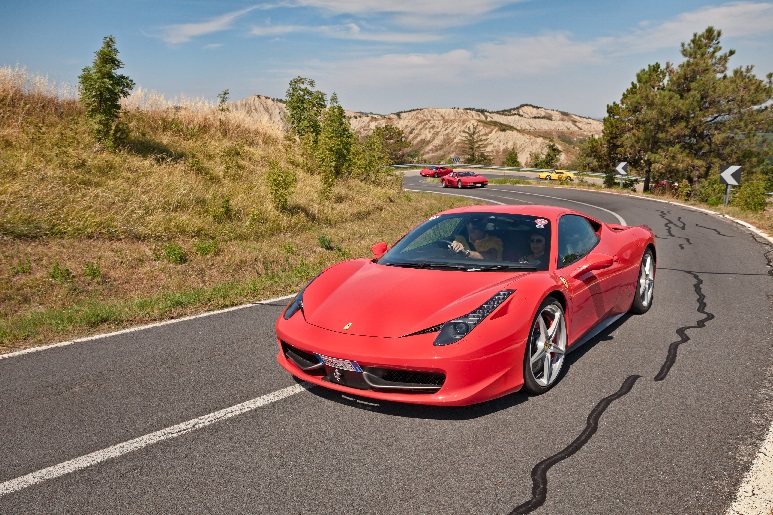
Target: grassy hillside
<point x="177" y="221"/>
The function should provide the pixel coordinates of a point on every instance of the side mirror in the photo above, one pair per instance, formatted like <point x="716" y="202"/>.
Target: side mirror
<point x="379" y="249"/>
<point x="593" y="262"/>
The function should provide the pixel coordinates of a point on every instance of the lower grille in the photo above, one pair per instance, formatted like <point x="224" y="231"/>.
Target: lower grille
<point x="371" y="378"/>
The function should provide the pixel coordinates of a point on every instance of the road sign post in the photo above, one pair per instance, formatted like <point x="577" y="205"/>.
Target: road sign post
<point x="730" y="176"/>
<point x="622" y="171"/>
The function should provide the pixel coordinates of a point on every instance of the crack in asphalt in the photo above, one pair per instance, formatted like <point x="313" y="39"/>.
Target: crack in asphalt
<point x="539" y="474"/>
<point x="768" y="251"/>
<point x="715" y="230"/>
<point x="539" y="489"/>
<point x="679" y="224"/>
<point x="682" y="331"/>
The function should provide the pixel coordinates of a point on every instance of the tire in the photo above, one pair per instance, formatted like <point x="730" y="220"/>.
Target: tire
<point x="547" y="177"/>
<point x="645" y="284"/>
<point x="435" y="175"/>
<point x="543" y="358"/>
<point x="459" y="184"/>
<point x="444" y="183"/>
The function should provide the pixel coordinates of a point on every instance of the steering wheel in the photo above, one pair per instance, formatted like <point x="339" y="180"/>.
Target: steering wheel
<point x="446" y="244"/>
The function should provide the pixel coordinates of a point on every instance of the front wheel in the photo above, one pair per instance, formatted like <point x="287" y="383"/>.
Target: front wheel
<point x="545" y="348"/>
<point x="444" y="183"/>
<point x="548" y="177"/>
<point x="642" y="300"/>
<point x="459" y="184"/>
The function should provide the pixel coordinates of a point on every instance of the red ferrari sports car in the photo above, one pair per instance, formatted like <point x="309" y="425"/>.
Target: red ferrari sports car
<point x="464" y="180"/>
<point x="472" y="304"/>
<point x="436" y="171"/>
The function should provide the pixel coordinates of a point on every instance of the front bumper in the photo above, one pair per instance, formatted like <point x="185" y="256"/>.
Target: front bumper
<point x="409" y="369"/>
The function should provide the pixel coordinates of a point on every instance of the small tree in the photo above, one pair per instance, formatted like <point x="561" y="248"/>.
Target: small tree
<point x="475" y="146"/>
<point x="335" y="142"/>
<point x="549" y="158"/>
<point x="281" y="183"/>
<point x="222" y="100"/>
<point x="512" y="159"/>
<point x="393" y="141"/>
<point x="305" y="107"/>
<point x="101" y="90"/>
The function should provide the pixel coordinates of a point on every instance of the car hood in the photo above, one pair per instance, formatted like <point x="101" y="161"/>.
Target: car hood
<point x="363" y="298"/>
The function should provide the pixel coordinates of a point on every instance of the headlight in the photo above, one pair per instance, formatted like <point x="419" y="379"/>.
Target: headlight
<point x="456" y="329"/>
<point x="297" y="303"/>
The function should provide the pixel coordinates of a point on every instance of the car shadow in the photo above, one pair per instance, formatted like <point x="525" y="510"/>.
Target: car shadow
<point x="458" y="412"/>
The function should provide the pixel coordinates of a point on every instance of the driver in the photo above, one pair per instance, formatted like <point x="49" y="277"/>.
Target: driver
<point x="481" y="246"/>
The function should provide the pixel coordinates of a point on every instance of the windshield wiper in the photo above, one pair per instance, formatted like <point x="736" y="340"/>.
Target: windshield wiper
<point x="428" y="265"/>
<point x="513" y="266"/>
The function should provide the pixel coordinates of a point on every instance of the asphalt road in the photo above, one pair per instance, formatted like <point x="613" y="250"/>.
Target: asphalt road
<point x="661" y="413"/>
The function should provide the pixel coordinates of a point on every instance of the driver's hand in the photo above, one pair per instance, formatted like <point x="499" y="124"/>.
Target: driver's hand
<point x="456" y="246"/>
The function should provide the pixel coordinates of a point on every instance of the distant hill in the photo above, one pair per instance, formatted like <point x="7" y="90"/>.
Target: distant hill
<point x="435" y="134"/>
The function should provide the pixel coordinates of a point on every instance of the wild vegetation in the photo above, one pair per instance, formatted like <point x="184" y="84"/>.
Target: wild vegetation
<point x="196" y="208"/>
<point x="685" y="122"/>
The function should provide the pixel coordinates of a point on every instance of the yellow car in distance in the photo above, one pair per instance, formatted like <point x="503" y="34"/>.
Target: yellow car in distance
<point x="561" y="175"/>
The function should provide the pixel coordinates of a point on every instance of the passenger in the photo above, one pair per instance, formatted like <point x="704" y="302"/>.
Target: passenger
<point x="482" y="245"/>
<point x="537" y="247"/>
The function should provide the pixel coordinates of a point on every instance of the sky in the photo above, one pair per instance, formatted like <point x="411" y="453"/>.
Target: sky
<point x="383" y="56"/>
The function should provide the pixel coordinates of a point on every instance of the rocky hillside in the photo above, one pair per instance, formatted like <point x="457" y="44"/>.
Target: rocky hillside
<point x="435" y="134"/>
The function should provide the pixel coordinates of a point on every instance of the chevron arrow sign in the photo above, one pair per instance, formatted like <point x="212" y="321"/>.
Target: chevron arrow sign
<point x="731" y="175"/>
<point x="622" y="168"/>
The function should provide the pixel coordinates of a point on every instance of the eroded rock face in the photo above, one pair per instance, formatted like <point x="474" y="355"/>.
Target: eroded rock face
<point x="436" y="133"/>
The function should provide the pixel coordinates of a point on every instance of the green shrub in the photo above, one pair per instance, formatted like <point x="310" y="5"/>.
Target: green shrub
<point x="60" y="273"/>
<point x="21" y="267"/>
<point x="206" y="247"/>
<point x="281" y="183"/>
<point x="710" y="191"/>
<point x="325" y="242"/>
<point x="174" y="254"/>
<point x="92" y="270"/>
<point x="751" y="196"/>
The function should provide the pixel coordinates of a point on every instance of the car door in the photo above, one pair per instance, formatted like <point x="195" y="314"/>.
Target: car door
<point x="593" y="294"/>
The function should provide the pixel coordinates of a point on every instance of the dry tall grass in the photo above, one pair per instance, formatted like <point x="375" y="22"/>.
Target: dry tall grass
<point x="178" y="220"/>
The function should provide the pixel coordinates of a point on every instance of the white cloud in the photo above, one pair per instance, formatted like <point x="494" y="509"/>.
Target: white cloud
<point x="736" y="20"/>
<point x="349" y="31"/>
<point x="182" y="33"/>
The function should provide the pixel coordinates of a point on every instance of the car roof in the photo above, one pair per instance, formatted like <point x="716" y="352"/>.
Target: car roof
<point x="532" y="210"/>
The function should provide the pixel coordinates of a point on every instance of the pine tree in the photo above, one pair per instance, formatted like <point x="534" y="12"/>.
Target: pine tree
<point x="101" y="91"/>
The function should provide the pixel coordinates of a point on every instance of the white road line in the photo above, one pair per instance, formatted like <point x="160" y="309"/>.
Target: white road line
<point x="139" y="328"/>
<point x="169" y="433"/>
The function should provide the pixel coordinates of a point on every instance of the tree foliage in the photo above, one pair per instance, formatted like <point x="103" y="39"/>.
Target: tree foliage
<point x="549" y="158"/>
<point x="331" y="146"/>
<point x="511" y="159"/>
<point x="393" y="140"/>
<point x="305" y="106"/>
<point x="475" y="146"/>
<point x="687" y="121"/>
<point x="335" y="142"/>
<point x="101" y="91"/>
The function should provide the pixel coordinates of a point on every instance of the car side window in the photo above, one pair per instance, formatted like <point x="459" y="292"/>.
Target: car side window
<point x="576" y="238"/>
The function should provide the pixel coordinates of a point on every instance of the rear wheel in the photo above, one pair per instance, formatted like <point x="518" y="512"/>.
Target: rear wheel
<point x="642" y="300"/>
<point x="545" y="348"/>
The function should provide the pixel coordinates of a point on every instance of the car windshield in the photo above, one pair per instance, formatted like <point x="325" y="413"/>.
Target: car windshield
<point x="474" y="242"/>
<point x="466" y="174"/>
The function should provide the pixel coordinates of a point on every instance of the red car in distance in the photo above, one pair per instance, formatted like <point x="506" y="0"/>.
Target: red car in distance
<point x="436" y="171"/>
<point x="464" y="180"/>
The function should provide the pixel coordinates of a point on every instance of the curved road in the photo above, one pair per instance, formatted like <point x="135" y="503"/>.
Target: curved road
<point x="660" y="413"/>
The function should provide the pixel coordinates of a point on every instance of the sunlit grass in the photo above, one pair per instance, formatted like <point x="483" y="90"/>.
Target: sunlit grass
<point x="177" y="221"/>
